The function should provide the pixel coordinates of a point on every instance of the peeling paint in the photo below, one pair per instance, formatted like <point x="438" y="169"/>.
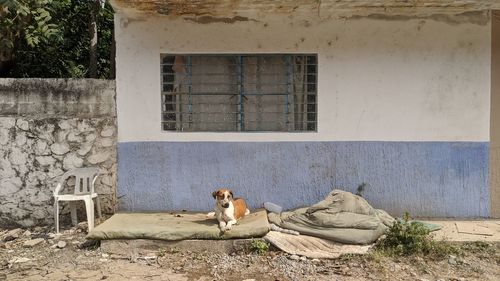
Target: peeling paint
<point x="309" y="8"/>
<point x="445" y="179"/>
<point x="210" y="19"/>
<point x="479" y="18"/>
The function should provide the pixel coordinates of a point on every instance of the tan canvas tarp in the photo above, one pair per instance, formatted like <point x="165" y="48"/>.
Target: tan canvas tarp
<point x="176" y="226"/>
<point x="342" y="217"/>
<point x="312" y="247"/>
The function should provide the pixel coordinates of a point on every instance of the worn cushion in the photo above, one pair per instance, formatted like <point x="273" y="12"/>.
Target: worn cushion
<point x="177" y="226"/>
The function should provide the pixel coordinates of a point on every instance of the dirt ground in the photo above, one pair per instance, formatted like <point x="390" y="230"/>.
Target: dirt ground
<point x="39" y="254"/>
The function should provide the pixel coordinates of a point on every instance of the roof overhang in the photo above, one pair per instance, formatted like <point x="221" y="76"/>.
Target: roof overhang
<point x="253" y="9"/>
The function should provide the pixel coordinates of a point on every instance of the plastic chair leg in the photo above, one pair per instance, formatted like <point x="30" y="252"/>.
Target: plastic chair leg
<point x="56" y="214"/>
<point x="98" y="203"/>
<point x="74" y="218"/>
<point x="89" y="206"/>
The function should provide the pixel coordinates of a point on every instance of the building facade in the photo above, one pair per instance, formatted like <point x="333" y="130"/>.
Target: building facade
<point x="393" y="105"/>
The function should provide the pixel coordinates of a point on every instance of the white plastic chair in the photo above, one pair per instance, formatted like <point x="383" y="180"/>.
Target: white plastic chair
<point x="84" y="190"/>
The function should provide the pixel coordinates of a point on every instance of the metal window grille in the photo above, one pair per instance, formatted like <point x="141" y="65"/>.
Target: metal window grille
<point x="239" y="92"/>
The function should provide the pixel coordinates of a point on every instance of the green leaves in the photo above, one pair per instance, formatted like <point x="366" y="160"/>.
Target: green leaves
<point x="50" y="38"/>
<point x="26" y="19"/>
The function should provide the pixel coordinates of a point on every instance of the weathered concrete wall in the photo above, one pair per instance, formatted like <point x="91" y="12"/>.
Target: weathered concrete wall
<point x="495" y="116"/>
<point x="383" y="80"/>
<point x="403" y="106"/>
<point x="48" y="126"/>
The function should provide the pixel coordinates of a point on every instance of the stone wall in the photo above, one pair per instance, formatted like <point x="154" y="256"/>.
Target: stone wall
<point x="48" y="126"/>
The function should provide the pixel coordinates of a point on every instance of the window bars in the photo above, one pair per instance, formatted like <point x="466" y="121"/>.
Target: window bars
<point x="236" y="93"/>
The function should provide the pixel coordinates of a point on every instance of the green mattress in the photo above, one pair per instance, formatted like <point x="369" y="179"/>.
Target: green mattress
<point x="177" y="226"/>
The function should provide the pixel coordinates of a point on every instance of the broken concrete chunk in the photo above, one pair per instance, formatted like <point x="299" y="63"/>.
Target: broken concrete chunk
<point x="61" y="244"/>
<point x="12" y="234"/>
<point x="19" y="260"/>
<point x="32" y="242"/>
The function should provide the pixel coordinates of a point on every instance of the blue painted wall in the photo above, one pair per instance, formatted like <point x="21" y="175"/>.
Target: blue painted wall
<point x="436" y="179"/>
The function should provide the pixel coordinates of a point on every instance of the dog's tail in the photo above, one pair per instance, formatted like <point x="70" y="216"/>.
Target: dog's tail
<point x="247" y="212"/>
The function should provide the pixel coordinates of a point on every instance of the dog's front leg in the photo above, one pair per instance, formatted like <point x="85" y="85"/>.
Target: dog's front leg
<point x="222" y="225"/>
<point x="230" y="223"/>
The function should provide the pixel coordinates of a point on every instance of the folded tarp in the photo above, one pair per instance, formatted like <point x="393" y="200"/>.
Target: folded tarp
<point x="312" y="247"/>
<point x="342" y="217"/>
<point x="177" y="226"/>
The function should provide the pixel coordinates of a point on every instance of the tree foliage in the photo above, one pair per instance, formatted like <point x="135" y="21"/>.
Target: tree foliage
<point x="46" y="38"/>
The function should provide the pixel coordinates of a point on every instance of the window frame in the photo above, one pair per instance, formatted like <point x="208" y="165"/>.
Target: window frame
<point x="307" y="94"/>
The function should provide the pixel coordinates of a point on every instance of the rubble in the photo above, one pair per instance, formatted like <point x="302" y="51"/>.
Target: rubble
<point x="33" y="242"/>
<point x="12" y="234"/>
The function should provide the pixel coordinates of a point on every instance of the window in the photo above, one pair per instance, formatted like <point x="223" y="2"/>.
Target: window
<point x="236" y="93"/>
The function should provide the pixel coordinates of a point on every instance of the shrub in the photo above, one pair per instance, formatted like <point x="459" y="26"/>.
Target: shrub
<point x="406" y="237"/>
<point x="259" y="246"/>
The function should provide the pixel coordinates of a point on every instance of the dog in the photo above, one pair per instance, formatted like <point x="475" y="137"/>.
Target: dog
<point x="228" y="210"/>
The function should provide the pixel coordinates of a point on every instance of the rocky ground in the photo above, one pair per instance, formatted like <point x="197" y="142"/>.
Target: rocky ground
<point x="39" y="254"/>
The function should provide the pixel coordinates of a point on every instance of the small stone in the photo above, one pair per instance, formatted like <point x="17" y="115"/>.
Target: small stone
<point x="294" y="257"/>
<point x="64" y="124"/>
<point x="32" y="242"/>
<point x="107" y="131"/>
<point x="12" y="234"/>
<point x="249" y="280"/>
<point x="90" y="137"/>
<point x="452" y="260"/>
<point x="73" y="137"/>
<point x="38" y="229"/>
<point x="72" y="161"/>
<point x="27" y="233"/>
<point x="10" y="186"/>
<point x="19" y="260"/>
<point x="17" y="156"/>
<point x="98" y="157"/>
<point x="84" y="149"/>
<point x="59" y="148"/>
<point x="316" y="260"/>
<point x="20" y="139"/>
<point x="22" y="124"/>
<point x="107" y="142"/>
<point x="61" y="244"/>
<point x="45" y="160"/>
<point x="303" y="258"/>
<point x="103" y="260"/>
<point x="4" y="136"/>
<point x="106" y="180"/>
<point x="105" y="255"/>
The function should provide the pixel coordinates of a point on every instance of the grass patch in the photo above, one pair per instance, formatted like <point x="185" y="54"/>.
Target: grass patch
<point x="259" y="246"/>
<point x="478" y="247"/>
<point x="161" y="253"/>
<point x="406" y="238"/>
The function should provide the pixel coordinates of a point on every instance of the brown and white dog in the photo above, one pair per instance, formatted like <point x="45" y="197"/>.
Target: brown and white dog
<point x="228" y="210"/>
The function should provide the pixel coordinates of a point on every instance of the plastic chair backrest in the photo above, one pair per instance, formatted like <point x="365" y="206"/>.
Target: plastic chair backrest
<point x="84" y="180"/>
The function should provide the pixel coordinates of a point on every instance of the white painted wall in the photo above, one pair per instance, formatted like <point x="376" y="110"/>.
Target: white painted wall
<point x="379" y="80"/>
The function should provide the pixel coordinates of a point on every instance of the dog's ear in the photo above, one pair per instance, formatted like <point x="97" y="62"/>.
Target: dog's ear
<point x="231" y="193"/>
<point x="214" y="194"/>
